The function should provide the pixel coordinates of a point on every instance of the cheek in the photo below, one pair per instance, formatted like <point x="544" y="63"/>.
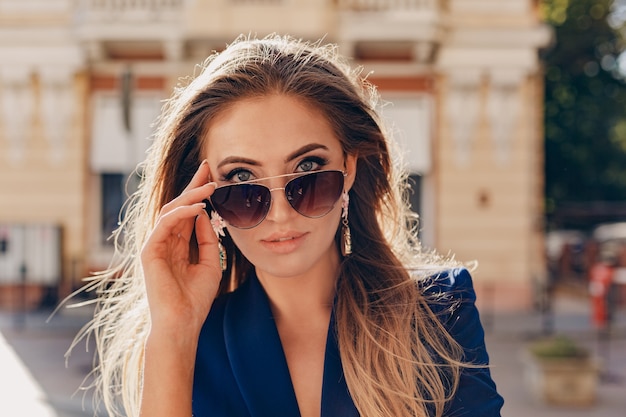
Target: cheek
<point x="241" y="238"/>
<point x="248" y="241"/>
<point x="331" y="222"/>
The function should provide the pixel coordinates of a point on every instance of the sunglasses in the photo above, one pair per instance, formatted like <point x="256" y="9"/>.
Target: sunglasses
<point x="245" y="205"/>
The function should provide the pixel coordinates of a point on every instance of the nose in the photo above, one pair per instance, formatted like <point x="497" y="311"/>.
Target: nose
<point x="280" y="209"/>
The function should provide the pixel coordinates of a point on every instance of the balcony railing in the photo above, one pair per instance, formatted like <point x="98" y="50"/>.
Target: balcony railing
<point x="129" y="10"/>
<point x="256" y="2"/>
<point x="388" y="5"/>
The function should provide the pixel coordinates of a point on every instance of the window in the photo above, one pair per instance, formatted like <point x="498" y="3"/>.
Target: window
<point x="115" y="152"/>
<point x="112" y="198"/>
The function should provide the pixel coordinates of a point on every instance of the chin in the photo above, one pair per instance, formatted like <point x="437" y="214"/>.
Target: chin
<point x="283" y="268"/>
<point x="298" y="264"/>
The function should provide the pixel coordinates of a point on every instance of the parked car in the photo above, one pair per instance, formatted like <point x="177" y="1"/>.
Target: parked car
<point x="610" y="232"/>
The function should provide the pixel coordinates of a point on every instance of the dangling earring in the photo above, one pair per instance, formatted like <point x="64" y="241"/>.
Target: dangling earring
<point x="346" y="239"/>
<point x="218" y="227"/>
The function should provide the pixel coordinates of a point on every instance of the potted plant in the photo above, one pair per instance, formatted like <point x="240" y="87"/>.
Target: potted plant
<point x="559" y="371"/>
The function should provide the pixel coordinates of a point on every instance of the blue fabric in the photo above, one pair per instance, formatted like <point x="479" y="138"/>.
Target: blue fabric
<point x="241" y="370"/>
<point x="453" y="301"/>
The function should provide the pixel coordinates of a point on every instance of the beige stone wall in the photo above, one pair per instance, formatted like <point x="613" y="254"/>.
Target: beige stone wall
<point x="38" y="189"/>
<point x="484" y="211"/>
<point x="224" y="20"/>
<point x="488" y="211"/>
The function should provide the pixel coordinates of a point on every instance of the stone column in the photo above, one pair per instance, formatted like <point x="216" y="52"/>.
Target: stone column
<point x="503" y="110"/>
<point x="17" y="100"/>
<point x="462" y="107"/>
<point x="57" y="109"/>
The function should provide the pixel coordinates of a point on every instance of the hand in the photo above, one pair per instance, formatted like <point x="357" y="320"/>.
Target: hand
<point x="181" y="293"/>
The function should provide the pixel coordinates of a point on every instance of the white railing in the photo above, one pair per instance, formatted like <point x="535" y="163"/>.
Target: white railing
<point x="35" y="6"/>
<point x="388" y="5"/>
<point x="131" y="5"/>
<point x="255" y="2"/>
<point x="129" y="10"/>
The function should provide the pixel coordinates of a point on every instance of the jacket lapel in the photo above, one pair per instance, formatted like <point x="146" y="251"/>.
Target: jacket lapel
<point x="336" y="399"/>
<point x="259" y="365"/>
<point x="256" y="354"/>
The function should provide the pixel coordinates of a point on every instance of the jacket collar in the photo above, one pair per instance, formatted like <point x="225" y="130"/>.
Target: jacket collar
<point x="259" y="364"/>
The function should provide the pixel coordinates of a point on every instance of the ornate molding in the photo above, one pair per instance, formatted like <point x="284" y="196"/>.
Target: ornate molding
<point x="57" y="109"/>
<point x="503" y="108"/>
<point x="462" y="107"/>
<point x="17" y="100"/>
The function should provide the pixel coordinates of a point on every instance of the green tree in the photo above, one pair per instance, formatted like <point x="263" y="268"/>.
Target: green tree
<point x="585" y="105"/>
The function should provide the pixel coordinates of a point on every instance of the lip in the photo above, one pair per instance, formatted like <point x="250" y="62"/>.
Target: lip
<point x="283" y="243"/>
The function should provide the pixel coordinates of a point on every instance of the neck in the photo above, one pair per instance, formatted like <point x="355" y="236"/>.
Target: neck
<point x="307" y="296"/>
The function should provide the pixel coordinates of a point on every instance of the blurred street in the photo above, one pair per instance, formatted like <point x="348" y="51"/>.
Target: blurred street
<point x="35" y="382"/>
<point x="510" y="333"/>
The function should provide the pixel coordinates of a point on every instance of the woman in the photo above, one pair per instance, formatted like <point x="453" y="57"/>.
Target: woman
<point x="269" y="265"/>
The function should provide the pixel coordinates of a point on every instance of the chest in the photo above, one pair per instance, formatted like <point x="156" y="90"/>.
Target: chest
<point x="304" y="350"/>
<point x="245" y="367"/>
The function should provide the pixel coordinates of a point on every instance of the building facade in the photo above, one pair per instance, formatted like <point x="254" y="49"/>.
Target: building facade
<point x="82" y="80"/>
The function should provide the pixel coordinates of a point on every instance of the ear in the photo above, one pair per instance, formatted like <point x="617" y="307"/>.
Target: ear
<point x="350" y="167"/>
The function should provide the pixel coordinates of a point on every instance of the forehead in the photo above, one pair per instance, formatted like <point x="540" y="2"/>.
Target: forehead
<point x="266" y="129"/>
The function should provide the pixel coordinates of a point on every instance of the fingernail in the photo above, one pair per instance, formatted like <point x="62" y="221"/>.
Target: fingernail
<point x="204" y="162"/>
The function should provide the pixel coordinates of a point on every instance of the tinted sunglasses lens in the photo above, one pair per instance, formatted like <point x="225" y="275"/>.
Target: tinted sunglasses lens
<point x="315" y="194"/>
<point x="242" y="205"/>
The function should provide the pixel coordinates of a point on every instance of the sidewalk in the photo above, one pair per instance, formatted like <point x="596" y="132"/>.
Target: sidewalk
<point x="34" y="381"/>
<point x="34" y="378"/>
<point x="511" y="332"/>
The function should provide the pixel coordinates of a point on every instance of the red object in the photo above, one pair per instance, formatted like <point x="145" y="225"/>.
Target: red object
<point x="600" y="279"/>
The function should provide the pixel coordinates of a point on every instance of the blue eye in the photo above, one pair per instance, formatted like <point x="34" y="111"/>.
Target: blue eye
<point x="307" y="166"/>
<point x="243" y="176"/>
<point x="238" y="175"/>
<point x="312" y="163"/>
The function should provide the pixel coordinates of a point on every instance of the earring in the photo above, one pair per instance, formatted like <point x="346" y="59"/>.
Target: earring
<point x="223" y="258"/>
<point x="218" y="225"/>
<point x="346" y="238"/>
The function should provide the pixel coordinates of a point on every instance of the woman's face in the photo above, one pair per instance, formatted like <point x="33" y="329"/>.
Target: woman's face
<point x="269" y="136"/>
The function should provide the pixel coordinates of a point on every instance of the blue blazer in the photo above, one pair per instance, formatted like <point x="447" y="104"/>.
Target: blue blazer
<point x="241" y="370"/>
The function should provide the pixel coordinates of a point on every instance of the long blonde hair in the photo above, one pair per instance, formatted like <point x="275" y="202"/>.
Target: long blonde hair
<point x="397" y="358"/>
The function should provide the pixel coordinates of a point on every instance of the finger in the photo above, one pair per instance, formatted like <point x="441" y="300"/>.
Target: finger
<point x="190" y="197"/>
<point x="177" y="222"/>
<point x="200" y="178"/>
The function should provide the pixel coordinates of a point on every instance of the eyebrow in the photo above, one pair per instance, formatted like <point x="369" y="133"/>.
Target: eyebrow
<point x="237" y="160"/>
<point x="305" y="149"/>
<point x="299" y="152"/>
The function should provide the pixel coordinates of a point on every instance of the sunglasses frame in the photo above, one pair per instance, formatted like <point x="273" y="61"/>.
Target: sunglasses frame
<point x="295" y="176"/>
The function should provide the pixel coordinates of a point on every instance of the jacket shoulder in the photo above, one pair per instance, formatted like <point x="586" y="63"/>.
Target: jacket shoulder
<point x="446" y="291"/>
<point x="451" y="296"/>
